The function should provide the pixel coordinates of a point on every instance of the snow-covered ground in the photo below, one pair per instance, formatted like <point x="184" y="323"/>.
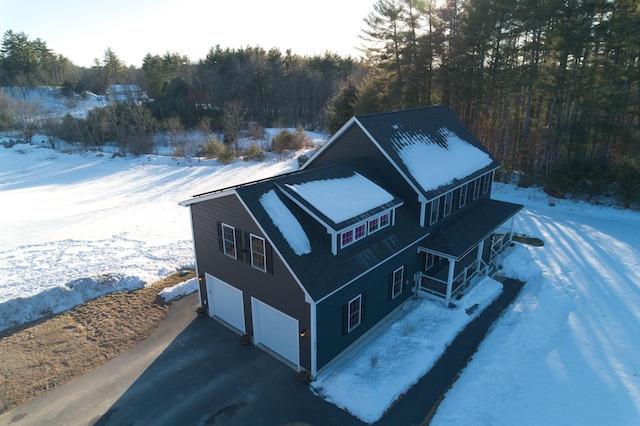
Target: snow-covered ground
<point x="47" y="102"/>
<point x="74" y="226"/>
<point x="372" y="377"/>
<point x="77" y="225"/>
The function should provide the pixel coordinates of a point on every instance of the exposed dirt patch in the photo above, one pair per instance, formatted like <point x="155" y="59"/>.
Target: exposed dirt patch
<point x="532" y="241"/>
<point x="37" y="357"/>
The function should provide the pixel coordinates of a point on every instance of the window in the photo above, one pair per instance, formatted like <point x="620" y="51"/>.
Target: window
<point x="385" y="219"/>
<point x="365" y="228"/>
<point x="431" y="261"/>
<point x="347" y="238"/>
<point x="397" y="281"/>
<point x="258" y="253"/>
<point x="374" y="225"/>
<point x="229" y="241"/>
<point x="448" y="201"/>
<point x="354" y="310"/>
<point x="476" y="188"/>
<point x="435" y="210"/>
<point x="486" y="183"/>
<point x="463" y="196"/>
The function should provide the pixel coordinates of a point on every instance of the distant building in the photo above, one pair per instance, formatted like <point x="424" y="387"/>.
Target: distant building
<point x="129" y="93"/>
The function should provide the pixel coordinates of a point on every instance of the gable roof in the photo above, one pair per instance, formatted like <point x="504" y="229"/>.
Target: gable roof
<point x="428" y="146"/>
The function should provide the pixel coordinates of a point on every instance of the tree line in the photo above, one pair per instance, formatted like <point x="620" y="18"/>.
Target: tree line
<point x="551" y="87"/>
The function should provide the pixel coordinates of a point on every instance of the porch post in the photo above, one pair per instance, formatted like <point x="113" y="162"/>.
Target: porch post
<point x="479" y="258"/>
<point x="452" y="268"/>
<point x="513" y="220"/>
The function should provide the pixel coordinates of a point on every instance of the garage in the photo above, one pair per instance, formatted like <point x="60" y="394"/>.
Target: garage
<point x="275" y="330"/>
<point x="225" y="302"/>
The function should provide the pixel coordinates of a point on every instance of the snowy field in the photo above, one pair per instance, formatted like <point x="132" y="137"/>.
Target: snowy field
<point x="74" y="226"/>
<point x="77" y="225"/>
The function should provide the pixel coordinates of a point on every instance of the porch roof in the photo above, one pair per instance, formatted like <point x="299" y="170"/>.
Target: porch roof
<point x="463" y="234"/>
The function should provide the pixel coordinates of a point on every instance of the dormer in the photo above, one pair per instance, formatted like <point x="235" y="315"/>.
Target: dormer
<point x="347" y="204"/>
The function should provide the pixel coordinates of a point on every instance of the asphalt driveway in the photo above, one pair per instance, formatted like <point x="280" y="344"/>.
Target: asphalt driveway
<point x="194" y="371"/>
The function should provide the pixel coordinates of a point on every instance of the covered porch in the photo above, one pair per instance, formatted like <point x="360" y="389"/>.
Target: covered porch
<point x="470" y="245"/>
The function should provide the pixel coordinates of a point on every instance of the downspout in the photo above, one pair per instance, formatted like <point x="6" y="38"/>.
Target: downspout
<point x="314" y="340"/>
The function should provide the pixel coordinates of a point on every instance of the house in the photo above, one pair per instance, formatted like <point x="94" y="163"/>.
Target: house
<point x="126" y="93"/>
<point x="309" y="263"/>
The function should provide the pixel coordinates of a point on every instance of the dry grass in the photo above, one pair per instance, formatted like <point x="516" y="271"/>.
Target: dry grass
<point x="37" y="357"/>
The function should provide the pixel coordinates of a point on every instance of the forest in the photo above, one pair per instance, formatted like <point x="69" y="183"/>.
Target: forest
<point x="551" y="87"/>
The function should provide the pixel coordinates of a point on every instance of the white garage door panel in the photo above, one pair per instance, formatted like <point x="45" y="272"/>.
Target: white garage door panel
<point x="225" y="302"/>
<point x="275" y="330"/>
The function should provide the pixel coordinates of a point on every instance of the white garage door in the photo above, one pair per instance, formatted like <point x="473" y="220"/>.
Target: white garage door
<point x="225" y="302"/>
<point x="275" y="330"/>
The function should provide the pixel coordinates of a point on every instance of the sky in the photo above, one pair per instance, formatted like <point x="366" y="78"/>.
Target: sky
<point x="82" y="30"/>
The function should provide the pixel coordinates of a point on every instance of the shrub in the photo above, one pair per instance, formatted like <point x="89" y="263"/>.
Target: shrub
<point x="286" y="140"/>
<point x="302" y="159"/>
<point x="227" y="155"/>
<point x="211" y="149"/>
<point x="253" y="153"/>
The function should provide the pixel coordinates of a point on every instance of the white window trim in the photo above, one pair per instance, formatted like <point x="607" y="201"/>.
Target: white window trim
<point x="463" y="196"/>
<point x="380" y="225"/>
<point x="435" y="208"/>
<point x="448" y="203"/>
<point x="395" y="294"/>
<point x="224" y="241"/>
<point x="359" y="299"/>
<point x="264" y="252"/>
<point x="367" y="232"/>
<point x="476" y="188"/>
<point x="485" y="184"/>
<point x="377" y="227"/>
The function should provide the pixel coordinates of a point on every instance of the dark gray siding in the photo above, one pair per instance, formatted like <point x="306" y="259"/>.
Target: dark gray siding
<point x="278" y="289"/>
<point x="332" y="337"/>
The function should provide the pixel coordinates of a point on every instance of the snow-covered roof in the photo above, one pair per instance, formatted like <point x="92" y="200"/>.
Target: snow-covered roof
<point x="342" y="198"/>
<point x="286" y="223"/>
<point x="434" y="164"/>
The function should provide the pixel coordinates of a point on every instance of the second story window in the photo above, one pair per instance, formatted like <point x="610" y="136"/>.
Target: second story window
<point x="486" y="183"/>
<point x="363" y="229"/>
<point x="476" y="188"/>
<point x="347" y="238"/>
<point x="435" y="211"/>
<point x="448" y="202"/>
<point x="258" y="253"/>
<point x="385" y="220"/>
<point x="374" y="225"/>
<point x="229" y="241"/>
<point x="463" y="196"/>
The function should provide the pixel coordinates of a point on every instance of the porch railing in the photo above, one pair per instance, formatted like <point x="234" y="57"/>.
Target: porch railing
<point x="438" y="286"/>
